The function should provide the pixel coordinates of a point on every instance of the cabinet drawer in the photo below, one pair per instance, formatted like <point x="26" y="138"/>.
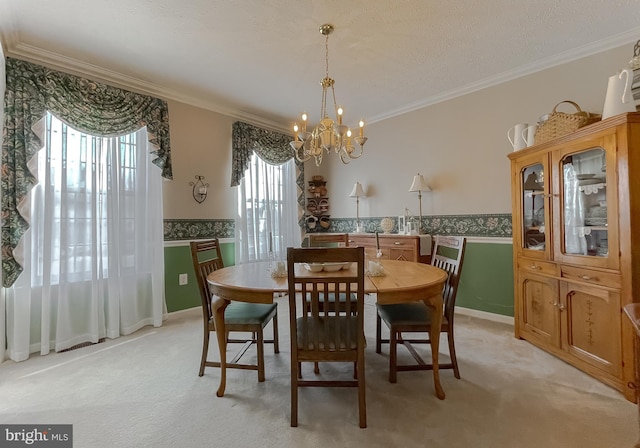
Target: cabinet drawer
<point x="538" y="267"/>
<point x="363" y="241"/>
<point x="322" y="238"/>
<point x="399" y="244"/>
<point x="393" y="247"/>
<point x="591" y="276"/>
<point x="385" y="242"/>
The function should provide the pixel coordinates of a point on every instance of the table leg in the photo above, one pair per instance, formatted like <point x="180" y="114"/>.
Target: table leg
<point x="218" y="308"/>
<point x="436" y="303"/>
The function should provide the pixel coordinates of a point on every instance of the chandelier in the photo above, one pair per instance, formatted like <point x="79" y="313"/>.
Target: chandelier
<point x="329" y="135"/>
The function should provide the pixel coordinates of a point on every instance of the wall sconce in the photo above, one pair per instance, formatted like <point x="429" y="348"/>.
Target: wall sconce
<point x="199" y="189"/>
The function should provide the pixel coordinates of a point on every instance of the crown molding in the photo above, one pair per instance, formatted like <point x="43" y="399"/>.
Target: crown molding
<point x="54" y="60"/>
<point x="84" y="69"/>
<point x="609" y="43"/>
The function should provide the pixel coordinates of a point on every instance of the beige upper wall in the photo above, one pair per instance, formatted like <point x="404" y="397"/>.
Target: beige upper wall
<point x="460" y="146"/>
<point x="200" y="145"/>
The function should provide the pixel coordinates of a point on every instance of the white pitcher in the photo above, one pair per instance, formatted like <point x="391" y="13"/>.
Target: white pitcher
<point x="619" y="99"/>
<point x="518" y="142"/>
<point x="529" y="134"/>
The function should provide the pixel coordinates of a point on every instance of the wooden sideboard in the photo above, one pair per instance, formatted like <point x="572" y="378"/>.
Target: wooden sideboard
<point x="393" y="246"/>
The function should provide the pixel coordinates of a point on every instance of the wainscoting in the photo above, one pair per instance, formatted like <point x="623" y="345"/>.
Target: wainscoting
<point x="486" y="284"/>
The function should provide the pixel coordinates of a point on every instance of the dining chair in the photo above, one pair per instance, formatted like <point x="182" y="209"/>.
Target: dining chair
<point x="238" y="316"/>
<point x="448" y="254"/>
<point x="319" y="334"/>
<point x="329" y="240"/>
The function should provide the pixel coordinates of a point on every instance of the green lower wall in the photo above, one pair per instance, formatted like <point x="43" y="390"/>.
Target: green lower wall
<point x="486" y="283"/>
<point x="177" y="260"/>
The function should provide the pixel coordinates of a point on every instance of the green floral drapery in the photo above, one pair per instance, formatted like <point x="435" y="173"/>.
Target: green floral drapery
<point x="272" y="147"/>
<point x="88" y="106"/>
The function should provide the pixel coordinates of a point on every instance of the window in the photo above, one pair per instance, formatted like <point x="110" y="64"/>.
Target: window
<point x="94" y="255"/>
<point x="77" y="172"/>
<point x="267" y="211"/>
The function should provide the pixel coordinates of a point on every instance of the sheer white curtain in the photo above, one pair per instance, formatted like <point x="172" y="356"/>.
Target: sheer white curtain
<point x="267" y="211"/>
<point x="94" y="255"/>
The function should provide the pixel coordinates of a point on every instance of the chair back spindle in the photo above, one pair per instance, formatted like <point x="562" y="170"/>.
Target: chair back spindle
<point x="448" y="255"/>
<point x="207" y="257"/>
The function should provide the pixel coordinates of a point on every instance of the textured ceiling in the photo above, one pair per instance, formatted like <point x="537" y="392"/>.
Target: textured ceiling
<point x="262" y="60"/>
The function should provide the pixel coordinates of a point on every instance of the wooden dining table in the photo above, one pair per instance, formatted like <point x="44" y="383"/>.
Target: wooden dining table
<point x="402" y="282"/>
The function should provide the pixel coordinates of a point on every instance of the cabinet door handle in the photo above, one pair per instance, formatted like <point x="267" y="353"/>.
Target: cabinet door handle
<point x="397" y="243"/>
<point x="534" y="266"/>
<point x="586" y="277"/>
<point x="557" y="305"/>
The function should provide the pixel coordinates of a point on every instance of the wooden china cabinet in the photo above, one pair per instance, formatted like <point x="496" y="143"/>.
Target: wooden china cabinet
<point x="576" y="201"/>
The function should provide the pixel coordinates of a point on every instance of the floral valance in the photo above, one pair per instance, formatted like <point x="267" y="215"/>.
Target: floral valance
<point x="89" y="106"/>
<point x="272" y="147"/>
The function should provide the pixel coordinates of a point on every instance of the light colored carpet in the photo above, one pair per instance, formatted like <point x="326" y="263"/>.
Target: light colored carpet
<point x="143" y="391"/>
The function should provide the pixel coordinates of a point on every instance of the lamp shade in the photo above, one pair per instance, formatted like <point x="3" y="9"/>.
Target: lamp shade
<point x="419" y="184"/>
<point x="357" y="191"/>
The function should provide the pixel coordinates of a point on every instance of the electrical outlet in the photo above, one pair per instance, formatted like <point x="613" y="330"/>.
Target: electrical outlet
<point x="183" y="279"/>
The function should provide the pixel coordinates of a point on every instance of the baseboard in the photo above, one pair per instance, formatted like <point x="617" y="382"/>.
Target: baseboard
<point x="185" y="310"/>
<point x="459" y="310"/>
<point x="485" y="315"/>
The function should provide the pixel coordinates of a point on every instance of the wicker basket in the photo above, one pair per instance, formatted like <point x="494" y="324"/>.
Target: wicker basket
<point x="561" y="123"/>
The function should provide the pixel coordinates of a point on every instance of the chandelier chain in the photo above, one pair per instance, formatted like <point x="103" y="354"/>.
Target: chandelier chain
<point x="326" y="55"/>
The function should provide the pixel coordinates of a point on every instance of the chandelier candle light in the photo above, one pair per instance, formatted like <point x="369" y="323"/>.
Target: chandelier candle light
<point x="419" y="185"/>
<point x="329" y="134"/>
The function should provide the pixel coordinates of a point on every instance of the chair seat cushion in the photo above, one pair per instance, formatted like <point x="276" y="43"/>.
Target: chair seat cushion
<point x="332" y="333"/>
<point x="405" y="314"/>
<point x="249" y="313"/>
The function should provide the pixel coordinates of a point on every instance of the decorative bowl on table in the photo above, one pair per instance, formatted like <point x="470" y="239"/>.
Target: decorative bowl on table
<point x="313" y="267"/>
<point x="328" y="267"/>
<point x="333" y="267"/>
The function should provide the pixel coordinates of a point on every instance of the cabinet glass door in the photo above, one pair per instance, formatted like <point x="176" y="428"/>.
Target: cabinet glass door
<point x="533" y="207"/>
<point x="586" y="217"/>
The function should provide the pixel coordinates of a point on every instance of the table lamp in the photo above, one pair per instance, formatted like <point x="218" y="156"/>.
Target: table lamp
<point x="419" y="185"/>
<point x="357" y="192"/>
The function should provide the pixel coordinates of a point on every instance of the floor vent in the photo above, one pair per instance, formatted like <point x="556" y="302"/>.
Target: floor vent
<point x="84" y="344"/>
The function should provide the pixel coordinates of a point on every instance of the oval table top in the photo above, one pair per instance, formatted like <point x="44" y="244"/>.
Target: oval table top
<point x="399" y="277"/>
